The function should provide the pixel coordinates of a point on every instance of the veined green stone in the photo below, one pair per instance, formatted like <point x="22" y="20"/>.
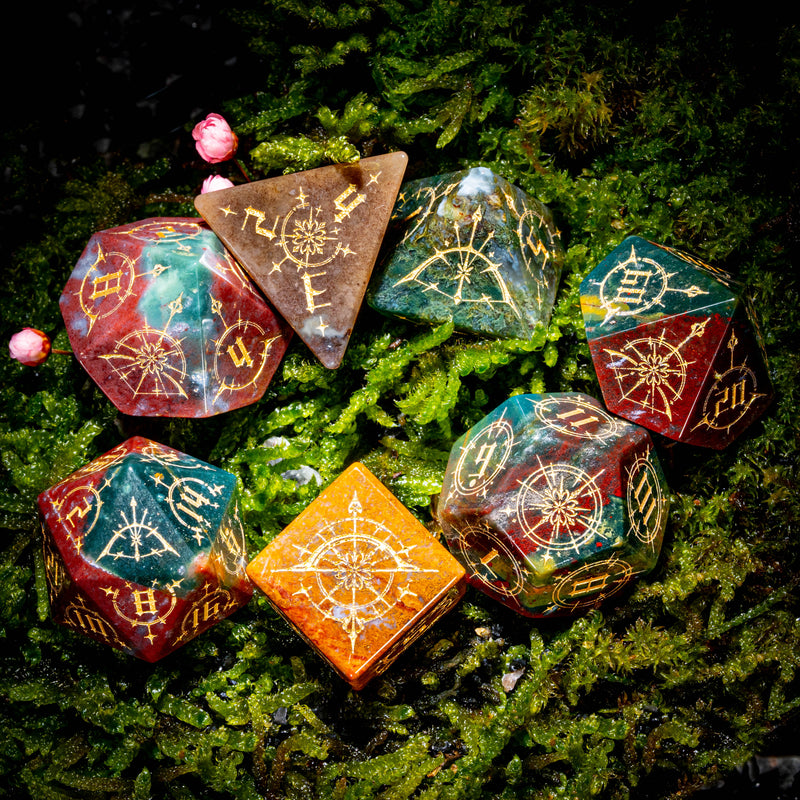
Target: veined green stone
<point x="472" y="249"/>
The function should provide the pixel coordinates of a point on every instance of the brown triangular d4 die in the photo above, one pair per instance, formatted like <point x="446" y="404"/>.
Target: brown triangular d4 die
<point x="310" y="240"/>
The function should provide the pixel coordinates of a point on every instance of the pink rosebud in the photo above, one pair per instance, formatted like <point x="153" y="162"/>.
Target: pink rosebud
<point x="214" y="183"/>
<point x="214" y="139"/>
<point x="30" y="347"/>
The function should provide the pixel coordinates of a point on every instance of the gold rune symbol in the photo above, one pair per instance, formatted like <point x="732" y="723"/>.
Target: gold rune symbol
<point x="490" y="561"/>
<point x="592" y="583"/>
<point x="238" y="353"/>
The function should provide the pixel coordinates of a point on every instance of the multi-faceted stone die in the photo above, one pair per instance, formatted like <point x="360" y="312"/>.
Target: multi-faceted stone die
<point x="552" y="504"/>
<point x="144" y="548"/>
<point x="675" y="346"/>
<point x="167" y="324"/>
<point x="474" y="250"/>
<point x="358" y="576"/>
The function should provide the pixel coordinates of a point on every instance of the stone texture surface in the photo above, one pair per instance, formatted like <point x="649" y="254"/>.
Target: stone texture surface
<point x="310" y="241"/>
<point x="552" y="504"/>
<point x="674" y="343"/>
<point x="474" y="249"/>
<point x="358" y="576"/>
<point x="167" y="324"/>
<point x="144" y="548"/>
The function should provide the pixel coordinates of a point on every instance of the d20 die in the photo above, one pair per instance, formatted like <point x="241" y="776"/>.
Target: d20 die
<point x="358" y="576"/>
<point x="167" y="324"/>
<point x="552" y="504"/>
<point x="475" y="250"/>
<point x="675" y="346"/>
<point x="144" y="548"/>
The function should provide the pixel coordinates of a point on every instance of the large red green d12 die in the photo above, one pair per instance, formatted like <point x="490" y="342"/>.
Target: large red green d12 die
<point x="167" y="324"/>
<point x="144" y="548"/>
<point x="552" y="504"/>
<point x="675" y="346"/>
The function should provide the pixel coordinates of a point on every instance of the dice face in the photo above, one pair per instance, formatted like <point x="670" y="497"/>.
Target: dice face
<point x="167" y="324"/>
<point x="552" y="504"/>
<point x="675" y="347"/>
<point x="144" y="548"/>
<point x="474" y="250"/>
<point x="358" y="576"/>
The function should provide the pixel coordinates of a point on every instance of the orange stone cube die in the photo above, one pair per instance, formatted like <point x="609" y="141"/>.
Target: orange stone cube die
<point x="358" y="576"/>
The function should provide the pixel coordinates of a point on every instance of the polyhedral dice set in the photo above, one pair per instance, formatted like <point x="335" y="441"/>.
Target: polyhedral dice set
<point x="550" y="504"/>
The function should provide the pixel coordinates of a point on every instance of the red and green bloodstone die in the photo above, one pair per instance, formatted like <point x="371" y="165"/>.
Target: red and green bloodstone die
<point x="167" y="324"/>
<point x="144" y="548"/>
<point x="552" y="504"/>
<point x="675" y="344"/>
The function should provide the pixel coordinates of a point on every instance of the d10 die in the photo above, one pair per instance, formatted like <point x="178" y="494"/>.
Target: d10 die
<point x="167" y="324"/>
<point x="144" y="548"/>
<point x="675" y="347"/>
<point x="358" y="576"/>
<point x="552" y="504"/>
<point x="475" y="250"/>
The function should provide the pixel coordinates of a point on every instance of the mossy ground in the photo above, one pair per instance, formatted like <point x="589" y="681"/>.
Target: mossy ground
<point x="679" y="124"/>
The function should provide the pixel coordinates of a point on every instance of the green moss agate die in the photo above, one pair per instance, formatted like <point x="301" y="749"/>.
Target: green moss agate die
<point x="675" y="344"/>
<point x="144" y="548"/>
<point x="552" y="504"/>
<point x="472" y="249"/>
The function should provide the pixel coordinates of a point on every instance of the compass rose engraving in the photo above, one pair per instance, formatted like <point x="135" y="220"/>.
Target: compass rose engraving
<point x="354" y="571"/>
<point x="149" y="361"/>
<point x="650" y="372"/>
<point x="560" y="506"/>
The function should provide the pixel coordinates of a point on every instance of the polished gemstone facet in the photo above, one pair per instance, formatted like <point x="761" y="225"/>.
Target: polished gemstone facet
<point x="675" y="346"/>
<point x="473" y="249"/>
<point x="167" y="324"/>
<point x="310" y="241"/>
<point x="144" y="548"/>
<point x="358" y="576"/>
<point x="553" y="504"/>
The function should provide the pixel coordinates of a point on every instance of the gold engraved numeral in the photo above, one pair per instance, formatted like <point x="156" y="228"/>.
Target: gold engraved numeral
<point x="239" y="354"/>
<point x="645" y="499"/>
<point x="732" y="397"/>
<point x="311" y="293"/>
<point x="579" y="422"/>
<point x="259" y="216"/>
<point x="628" y="290"/>
<point x="591" y="585"/>
<point x="345" y="209"/>
<point x="106" y="282"/>
<point x="144" y="602"/>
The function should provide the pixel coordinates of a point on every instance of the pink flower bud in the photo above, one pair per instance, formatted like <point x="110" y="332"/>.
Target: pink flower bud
<point x="30" y="347"/>
<point x="214" y="139"/>
<point x="214" y="183"/>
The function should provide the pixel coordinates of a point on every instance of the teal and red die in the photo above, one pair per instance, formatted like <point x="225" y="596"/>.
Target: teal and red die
<point x="675" y="344"/>
<point x="552" y="504"/>
<point x="167" y="324"/>
<point x="144" y="548"/>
